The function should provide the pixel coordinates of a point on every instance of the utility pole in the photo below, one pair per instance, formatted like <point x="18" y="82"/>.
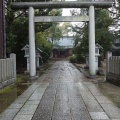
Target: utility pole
<point x="2" y="30"/>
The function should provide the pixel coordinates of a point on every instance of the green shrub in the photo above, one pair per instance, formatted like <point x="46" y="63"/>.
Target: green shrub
<point x="80" y="58"/>
<point x="72" y="59"/>
<point x="77" y="59"/>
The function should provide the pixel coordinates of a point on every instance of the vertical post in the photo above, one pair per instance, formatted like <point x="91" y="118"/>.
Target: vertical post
<point x="109" y="55"/>
<point x="13" y="56"/>
<point x="92" y="70"/>
<point x="96" y="63"/>
<point x="28" y="64"/>
<point x="37" y="62"/>
<point x="32" y="43"/>
<point x="109" y="64"/>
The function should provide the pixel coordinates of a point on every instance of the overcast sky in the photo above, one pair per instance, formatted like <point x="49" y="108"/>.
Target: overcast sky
<point x="66" y="11"/>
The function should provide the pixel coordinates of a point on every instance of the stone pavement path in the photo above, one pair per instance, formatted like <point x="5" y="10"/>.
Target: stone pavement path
<point x="62" y="100"/>
<point x="62" y="93"/>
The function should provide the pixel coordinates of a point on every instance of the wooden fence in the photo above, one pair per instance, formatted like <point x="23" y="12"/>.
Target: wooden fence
<point x="7" y="71"/>
<point x="113" y="68"/>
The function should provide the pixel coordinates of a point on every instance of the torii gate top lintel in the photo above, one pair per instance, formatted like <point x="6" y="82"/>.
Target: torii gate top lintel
<point x="70" y="4"/>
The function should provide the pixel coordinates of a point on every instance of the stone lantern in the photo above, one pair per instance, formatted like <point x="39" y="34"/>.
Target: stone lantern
<point x="38" y="56"/>
<point x="97" y="54"/>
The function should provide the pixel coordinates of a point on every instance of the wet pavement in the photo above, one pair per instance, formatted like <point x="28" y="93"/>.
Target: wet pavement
<point x="8" y="95"/>
<point x="63" y="93"/>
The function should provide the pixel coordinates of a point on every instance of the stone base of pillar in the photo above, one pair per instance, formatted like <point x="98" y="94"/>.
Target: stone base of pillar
<point x="33" y="77"/>
<point x="26" y="72"/>
<point x="92" y="76"/>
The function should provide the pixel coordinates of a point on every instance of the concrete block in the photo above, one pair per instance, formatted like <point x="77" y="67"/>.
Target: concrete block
<point x="9" y="114"/>
<point x="28" y="110"/>
<point x="23" y="117"/>
<point x="99" y="116"/>
<point x="16" y="106"/>
<point x="112" y="110"/>
<point x="20" y="100"/>
<point x="103" y="99"/>
<point x="91" y="103"/>
<point x="32" y="102"/>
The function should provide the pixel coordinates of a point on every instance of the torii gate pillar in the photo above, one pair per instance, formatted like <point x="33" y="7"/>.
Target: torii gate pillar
<point x="32" y="44"/>
<point x="92" y="69"/>
<point x="92" y="41"/>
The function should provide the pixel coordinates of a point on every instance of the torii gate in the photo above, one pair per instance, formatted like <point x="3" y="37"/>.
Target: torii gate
<point x="91" y="4"/>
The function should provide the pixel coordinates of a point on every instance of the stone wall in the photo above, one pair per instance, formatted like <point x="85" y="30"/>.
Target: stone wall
<point x="113" y="69"/>
<point x="7" y="71"/>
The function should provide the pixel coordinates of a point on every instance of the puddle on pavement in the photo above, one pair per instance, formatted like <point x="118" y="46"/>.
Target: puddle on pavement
<point x="111" y="91"/>
<point x="9" y="94"/>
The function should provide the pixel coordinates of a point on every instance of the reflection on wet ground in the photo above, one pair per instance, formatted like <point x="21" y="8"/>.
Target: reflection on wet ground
<point x="112" y="91"/>
<point x="108" y="89"/>
<point x="10" y="94"/>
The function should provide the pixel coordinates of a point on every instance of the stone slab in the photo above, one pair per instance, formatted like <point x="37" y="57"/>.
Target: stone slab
<point x="82" y="116"/>
<point x="93" y="89"/>
<point x="91" y="103"/>
<point x="32" y="102"/>
<point x="115" y="119"/>
<point x="103" y="99"/>
<point x="15" y="106"/>
<point x="99" y="116"/>
<point x="8" y="114"/>
<point x="38" y="93"/>
<point x="81" y="86"/>
<point x="29" y="91"/>
<point x="36" y="96"/>
<point x="45" y="108"/>
<point x="112" y="110"/>
<point x="28" y="110"/>
<point x="20" y="100"/>
<point x="23" y="117"/>
<point x="61" y="117"/>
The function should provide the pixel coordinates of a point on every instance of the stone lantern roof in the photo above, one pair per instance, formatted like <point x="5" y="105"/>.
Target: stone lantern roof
<point x="26" y="49"/>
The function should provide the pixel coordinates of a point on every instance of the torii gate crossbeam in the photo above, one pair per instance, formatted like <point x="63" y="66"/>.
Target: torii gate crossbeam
<point x="91" y="4"/>
<point x="66" y="4"/>
<point x="61" y="18"/>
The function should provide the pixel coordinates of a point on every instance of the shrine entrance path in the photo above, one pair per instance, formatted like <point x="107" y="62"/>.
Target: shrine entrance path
<point x="62" y="99"/>
<point x="62" y="93"/>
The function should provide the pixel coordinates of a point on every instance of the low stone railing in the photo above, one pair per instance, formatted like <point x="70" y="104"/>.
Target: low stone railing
<point x="113" y="68"/>
<point x="7" y="71"/>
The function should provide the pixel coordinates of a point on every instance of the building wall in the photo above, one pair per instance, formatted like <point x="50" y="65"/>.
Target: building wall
<point x="63" y="48"/>
<point x="57" y="53"/>
<point x="2" y="33"/>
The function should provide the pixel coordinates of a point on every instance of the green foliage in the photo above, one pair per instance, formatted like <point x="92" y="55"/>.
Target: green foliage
<point x="72" y="59"/>
<point x="44" y="45"/>
<point x="17" y="30"/>
<point x="65" y="28"/>
<point x="54" y="32"/>
<point x="77" y="58"/>
<point x="46" y="12"/>
<point x="103" y="36"/>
